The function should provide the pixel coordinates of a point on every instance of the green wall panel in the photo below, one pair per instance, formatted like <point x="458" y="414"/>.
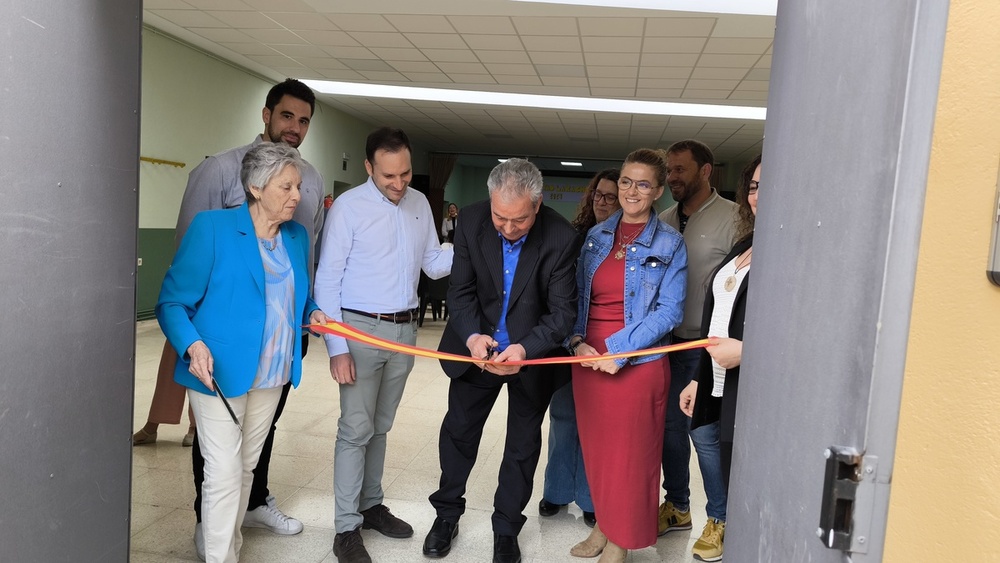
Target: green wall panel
<point x="156" y="249"/>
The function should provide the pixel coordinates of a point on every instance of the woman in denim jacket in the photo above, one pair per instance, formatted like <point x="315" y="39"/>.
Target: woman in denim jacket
<point x="631" y="278"/>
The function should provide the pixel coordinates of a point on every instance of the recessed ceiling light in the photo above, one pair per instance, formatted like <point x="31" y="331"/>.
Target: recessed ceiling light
<point x="743" y="7"/>
<point x="571" y="163"/>
<point x="606" y="105"/>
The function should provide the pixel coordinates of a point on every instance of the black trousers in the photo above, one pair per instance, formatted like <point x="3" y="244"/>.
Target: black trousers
<point x="258" y="491"/>
<point x="470" y="399"/>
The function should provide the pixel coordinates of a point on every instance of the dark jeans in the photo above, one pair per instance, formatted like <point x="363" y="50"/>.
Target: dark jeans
<point x="258" y="491"/>
<point x="470" y="400"/>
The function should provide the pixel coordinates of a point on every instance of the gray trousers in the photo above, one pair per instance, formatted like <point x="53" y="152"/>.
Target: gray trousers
<point x="367" y="410"/>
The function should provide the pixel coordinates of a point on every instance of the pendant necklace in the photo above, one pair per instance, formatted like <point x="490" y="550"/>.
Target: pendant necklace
<point x="730" y="282"/>
<point x="269" y="245"/>
<point x="624" y="243"/>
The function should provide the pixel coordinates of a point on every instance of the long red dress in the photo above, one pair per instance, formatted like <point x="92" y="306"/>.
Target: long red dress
<point x="620" y="421"/>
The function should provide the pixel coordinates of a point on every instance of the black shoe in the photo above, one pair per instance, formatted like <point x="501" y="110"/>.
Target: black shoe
<point x="546" y="508"/>
<point x="350" y="548"/>
<point x="379" y="518"/>
<point x="589" y="518"/>
<point x="438" y="540"/>
<point x="505" y="549"/>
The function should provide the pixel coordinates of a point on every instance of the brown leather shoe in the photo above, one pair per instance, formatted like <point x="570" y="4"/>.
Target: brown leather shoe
<point x="350" y="548"/>
<point x="379" y="518"/>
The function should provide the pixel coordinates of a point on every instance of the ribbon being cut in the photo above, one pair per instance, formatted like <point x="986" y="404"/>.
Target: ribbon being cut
<point x="351" y="333"/>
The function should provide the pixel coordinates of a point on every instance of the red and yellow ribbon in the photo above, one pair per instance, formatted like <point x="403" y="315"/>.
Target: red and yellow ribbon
<point x="351" y="333"/>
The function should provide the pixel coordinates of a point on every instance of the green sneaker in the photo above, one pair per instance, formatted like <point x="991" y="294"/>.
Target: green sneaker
<point x="671" y="519"/>
<point x="709" y="545"/>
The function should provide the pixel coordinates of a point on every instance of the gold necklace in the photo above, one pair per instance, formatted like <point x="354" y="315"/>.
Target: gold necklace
<point x="730" y="282"/>
<point x="624" y="243"/>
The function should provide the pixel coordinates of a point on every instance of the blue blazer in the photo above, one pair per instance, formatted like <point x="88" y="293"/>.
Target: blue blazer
<point x="214" y="292"/>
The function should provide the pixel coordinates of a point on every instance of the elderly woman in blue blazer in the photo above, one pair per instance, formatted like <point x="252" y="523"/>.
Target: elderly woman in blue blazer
<point x="231" y="305"/>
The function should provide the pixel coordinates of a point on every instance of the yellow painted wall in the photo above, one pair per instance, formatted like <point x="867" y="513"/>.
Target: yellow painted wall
<point x="945" y="500"/>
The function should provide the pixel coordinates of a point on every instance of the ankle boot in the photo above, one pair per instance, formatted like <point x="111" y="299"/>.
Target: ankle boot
<point x="592" y="546"/>
<point x="613" y="554"/>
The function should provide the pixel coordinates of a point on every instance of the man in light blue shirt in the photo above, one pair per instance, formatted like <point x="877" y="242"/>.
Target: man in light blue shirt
<point x="379" y="236"/>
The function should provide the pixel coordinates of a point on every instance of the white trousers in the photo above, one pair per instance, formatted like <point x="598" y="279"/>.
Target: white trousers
<point x="230" y="458"/>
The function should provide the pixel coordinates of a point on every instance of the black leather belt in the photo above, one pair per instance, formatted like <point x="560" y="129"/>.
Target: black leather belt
<point x="398" y="318"/>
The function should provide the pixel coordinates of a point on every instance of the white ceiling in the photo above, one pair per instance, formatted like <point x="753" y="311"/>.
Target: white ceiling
<point x="503" y="46"/>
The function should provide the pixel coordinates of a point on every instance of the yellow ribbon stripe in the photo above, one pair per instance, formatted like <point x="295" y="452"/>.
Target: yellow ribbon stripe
<point x="351" y="333"/>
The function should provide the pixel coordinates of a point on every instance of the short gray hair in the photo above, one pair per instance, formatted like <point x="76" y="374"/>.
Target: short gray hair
<point x="515" y="178"/>
<point x="265" y="161"/>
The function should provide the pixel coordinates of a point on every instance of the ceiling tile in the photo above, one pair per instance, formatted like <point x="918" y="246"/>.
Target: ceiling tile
<point x="756" y="85"/>
<point x="436" y="40"/>
<point x="513" y="80"/>
<point x="190" y="18"/>
<point x="460" y="78"/>
<point x="671" y="59"/>
<point x="664" y="72"/>
<point x="662" y="83"/>
<point x="451" y="55"/>
<point x="744" y="26"/>
<point x="544" y="57"/>
<point x="730" y="61"/>
<point x="322" y="63"/>
<point x="361" y="22"/>
<point x="387" y="53"/>
<point x="296" y="51"/>
<point x="367" y="65"/>
<point x="719" y="73"/>
<point x="380" y="39"/>
<point x="220" y="5"/>
<point x="764" y="62"/>
<point x="486" y="25"/>
<point x="749" y="95"/>
<point x="505" y="57"/>
<point x="431" y="77"/>
<point x="300" y="72"/>
<point x="706" y="94"/>
<point x="612" y="71"/>
<point x="557" y="44"/>
<point x="286" y="5"/>
<point x="416" y="23"/>
<point x="565" y="81"/>
<point x="612" y="44"/>
<point x="758" y="74"/>
<point x="562" y="70"/>
<point x="272" y="60"/>
<point x="328" y="38"/>
<point x="382" y="76"/>
<point x="166" y="5"/>
<point x="463" y="68"/>
<point x="414" y="66"/>
<point x="673" y="44"/>
<point x="493" y="42"/>
<point x="546" y="26"/>
<point x="737" y="45"/>
<point x="612" y="82"/>
<point x="350" y="52"/>
<point x="249" y="48"/>
<point x="342" y="75"/>
<point x="220" y="35"/>
<point x="680" y="27"/>
<point x="517" y="69"/>
<point x="706" y="84"/>
<point x="613" y="59"/>
<point x="244" y="19"/>
<point x="612" y="27"/>
<point x="613" y="92"/>
<point x="280" y="36"/>
<point x="303" y="21"/>
<point x="658" y="93"/>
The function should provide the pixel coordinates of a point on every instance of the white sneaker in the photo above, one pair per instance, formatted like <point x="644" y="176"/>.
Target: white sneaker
<point x="199" y="541"/>
<point x="268" y="516"/>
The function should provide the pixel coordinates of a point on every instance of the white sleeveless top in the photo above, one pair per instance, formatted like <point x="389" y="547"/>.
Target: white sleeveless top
<point x="722" y="312"/>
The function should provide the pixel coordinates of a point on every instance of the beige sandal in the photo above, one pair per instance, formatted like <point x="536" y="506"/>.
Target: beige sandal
<point x="142" y="438"/>
<point x="592" y="546"/>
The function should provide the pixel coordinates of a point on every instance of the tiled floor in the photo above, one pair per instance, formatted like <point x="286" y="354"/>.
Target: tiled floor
<point x="302" y="478"/>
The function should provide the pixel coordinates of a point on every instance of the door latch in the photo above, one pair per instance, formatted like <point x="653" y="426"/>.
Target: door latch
<point x="840" y="486"/>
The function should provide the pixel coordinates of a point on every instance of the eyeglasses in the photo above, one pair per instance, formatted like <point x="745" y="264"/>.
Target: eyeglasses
<point x="644" y="187"/>
<point x="610" y="199"/>
<point x="754" y="185"/>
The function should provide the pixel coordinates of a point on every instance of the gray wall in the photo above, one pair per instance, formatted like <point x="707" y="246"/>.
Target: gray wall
<point x="69" y="143"/>
<point x="846" y="151"/>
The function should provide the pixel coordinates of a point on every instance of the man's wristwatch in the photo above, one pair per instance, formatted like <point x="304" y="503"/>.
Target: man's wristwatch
<point x="574" y="346"/>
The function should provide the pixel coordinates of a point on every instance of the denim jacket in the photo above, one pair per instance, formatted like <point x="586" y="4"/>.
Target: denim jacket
<point x="655" y="285"/>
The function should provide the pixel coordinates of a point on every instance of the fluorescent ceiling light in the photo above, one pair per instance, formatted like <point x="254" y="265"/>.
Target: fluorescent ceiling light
<point x="607" y="105"/>
<point x="501" y="160"/>
<point x="743" y="7"/>
<point x="571" y="163"/>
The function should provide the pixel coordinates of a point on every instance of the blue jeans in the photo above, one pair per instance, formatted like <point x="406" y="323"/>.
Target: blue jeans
<point x="677" y="448"/>
<point x="565" y="479"/>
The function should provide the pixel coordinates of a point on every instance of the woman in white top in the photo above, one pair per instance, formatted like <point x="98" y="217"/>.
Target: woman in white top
<point x="448" y="224"/>
<point x="712" y="395"/>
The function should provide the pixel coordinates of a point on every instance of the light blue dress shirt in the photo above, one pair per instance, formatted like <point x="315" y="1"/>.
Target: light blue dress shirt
<point x="372" y="254"/>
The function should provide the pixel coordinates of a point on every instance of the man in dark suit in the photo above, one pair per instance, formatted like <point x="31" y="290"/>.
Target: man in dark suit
<point x="512" y="297"/>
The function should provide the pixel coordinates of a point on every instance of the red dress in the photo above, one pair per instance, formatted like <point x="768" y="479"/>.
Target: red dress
<point x="620" y="420"/>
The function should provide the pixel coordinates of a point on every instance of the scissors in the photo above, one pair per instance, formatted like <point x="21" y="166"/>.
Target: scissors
<point x="490" y="351"/>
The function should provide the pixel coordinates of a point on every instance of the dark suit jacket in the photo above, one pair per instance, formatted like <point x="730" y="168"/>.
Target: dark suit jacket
<point x="542" y="307"/>
<point x="708" y="409"/>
